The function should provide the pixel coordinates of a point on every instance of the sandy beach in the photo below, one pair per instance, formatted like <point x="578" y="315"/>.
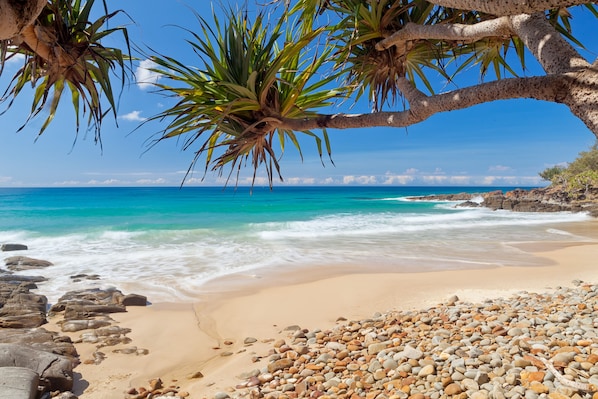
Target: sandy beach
<point x="208" y="336"/>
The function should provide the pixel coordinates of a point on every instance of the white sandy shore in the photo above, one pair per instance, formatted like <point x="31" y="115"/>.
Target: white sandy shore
<point x="185" y="338"/>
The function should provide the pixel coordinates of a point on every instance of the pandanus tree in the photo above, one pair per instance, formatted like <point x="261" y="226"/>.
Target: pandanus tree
<point x="261" y="78"/>
<point x="61" y="48"/>
<point x="253" y="84"/>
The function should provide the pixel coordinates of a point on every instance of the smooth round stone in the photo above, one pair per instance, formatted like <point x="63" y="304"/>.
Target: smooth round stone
<point x="479" y="395"/>
<point x="353" y="367"/>
<point x="412" y="353"/>
<point x="379" y="375"/>
<point x="390" y="364"/>
<point x="426" y="370"/>
<point x="470" y="385"/>
<point x="453" y="389"/>
<point x="374" y="365"/>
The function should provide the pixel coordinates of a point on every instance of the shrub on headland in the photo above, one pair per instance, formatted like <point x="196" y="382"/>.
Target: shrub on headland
<point x="579" y="178"/>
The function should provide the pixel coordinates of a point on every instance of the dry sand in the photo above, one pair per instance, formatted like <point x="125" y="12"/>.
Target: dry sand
<point x="186" y="338"/>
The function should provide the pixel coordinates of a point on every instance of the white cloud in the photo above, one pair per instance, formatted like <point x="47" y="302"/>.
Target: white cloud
<point x="398" y="179"/>
<point x="433" y="179"/>
<point x="488" y="180"/>
<point x="107" y="182"/>
<point x="297" y="181"/>
<point x="146" y="182"/>
<point x="17" y="58"/>
<point x="67" y="183"/>
<point x="499" y="168"/>
<point x="359" y="179"/>
<point x="145" y="77"/>
<point x="460" y="180"/>
<point x="133" y="116"/>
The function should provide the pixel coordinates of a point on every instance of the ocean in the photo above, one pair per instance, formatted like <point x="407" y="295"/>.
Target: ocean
<point x="168" y="242"/>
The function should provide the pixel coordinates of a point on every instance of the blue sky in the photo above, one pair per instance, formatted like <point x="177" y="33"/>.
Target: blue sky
<point x="500" y="144"/>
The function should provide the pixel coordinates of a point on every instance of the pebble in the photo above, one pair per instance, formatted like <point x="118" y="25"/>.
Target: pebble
<point x="454" y="350"/>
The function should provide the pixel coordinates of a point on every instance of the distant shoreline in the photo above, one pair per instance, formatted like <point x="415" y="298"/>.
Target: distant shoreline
<point x="548" y="199"/>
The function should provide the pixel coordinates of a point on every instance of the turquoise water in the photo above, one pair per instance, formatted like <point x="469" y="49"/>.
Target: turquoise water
<point x="167" y="242"/>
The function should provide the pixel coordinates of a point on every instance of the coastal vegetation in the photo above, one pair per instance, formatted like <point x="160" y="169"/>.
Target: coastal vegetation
<point x="257" y="83"/>
<point x="579" y="178"/>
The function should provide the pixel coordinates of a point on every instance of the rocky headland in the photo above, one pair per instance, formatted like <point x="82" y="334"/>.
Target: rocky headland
<point x="548" y="199"/>
<point x="36" y="362"/>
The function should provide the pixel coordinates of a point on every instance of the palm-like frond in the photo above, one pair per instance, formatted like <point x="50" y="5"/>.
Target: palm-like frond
<point x="63" y="49"/>
<point x="231" y="104"/>
<point x="364" y="23"/>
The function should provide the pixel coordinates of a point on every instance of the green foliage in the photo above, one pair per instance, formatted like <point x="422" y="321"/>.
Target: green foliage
<point x="550" y="174"/>
<point x="252" y="74"/>
<point x="64" y="50"/>
<point x="585" y="161"/>
<point x="579" y="176"/>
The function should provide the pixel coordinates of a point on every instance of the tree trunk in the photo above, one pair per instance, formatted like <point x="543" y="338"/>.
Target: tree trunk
<point x="17" y="14"/>
<point x="582" y="98"/>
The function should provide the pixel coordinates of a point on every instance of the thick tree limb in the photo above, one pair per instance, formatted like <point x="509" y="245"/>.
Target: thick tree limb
<point x="553" y="52"/>
<point x="507" y="7"/>
<point x="15" y="15"/>
<point x="548" y="88"/>
<point x="499" y="27"/>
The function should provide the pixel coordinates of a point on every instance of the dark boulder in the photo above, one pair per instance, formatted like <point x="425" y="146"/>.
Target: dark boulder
<point x="13" y="247"/>
<point x="19" y="308"/>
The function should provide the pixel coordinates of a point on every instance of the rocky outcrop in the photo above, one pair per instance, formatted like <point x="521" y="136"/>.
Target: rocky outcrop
<point x="54" y="370"/>
<point x="51" y="356"/>
<point x="20" y="263"/>
<point x="40" y="339"/>
<point x="548" y="199"/>
<point x="447" y="197"/>
<point x="19" y="307"/>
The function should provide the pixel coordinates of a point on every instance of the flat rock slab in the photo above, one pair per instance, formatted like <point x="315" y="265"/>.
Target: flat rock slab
<point x="19" y="263"/>
<point x="55" y="369"/>
<point x="13" y="247"/>
<point x="18" y="383"/>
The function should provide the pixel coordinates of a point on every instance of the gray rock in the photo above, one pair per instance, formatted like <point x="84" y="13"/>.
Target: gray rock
<point x="18" y="383"/>
<point x="56" y="370"/>
<point x="20" y="308"/>
<point x="19" y="263"/>
<point x="13" y="247"/>
<point x="79" y="325"/>
<point x="39" y="339"/>
<point x="411" y="353"/>
<point x="134" y="300"/>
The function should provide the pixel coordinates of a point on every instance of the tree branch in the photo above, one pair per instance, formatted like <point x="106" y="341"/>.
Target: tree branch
<point x="548" y="88"/>
<point x="454" y="32"/>
<point x="507" y="7"/>
<point x="553" y="52"/>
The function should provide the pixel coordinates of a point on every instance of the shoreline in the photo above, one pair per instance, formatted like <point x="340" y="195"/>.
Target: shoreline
<point x="209" y="336"/>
